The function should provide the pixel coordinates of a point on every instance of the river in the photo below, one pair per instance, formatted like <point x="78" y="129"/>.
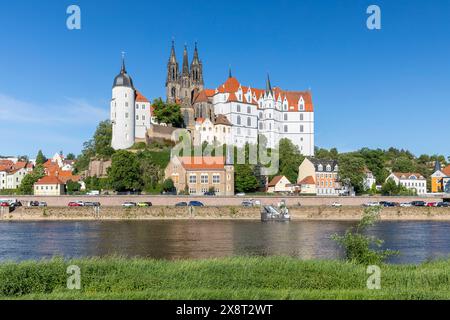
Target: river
<point x="417" y="241"/>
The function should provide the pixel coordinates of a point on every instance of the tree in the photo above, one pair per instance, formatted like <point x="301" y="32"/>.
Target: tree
<point x="27" y="184"/>
<point x="40" y="158"/>
<point x="290" y="159"/>
<point x="245" y="179"/>
<point x="168" y="185"/>
<point x="168" y="113"/>
<point x="403" y="164"/>
<point x="351" y="167"/>
<point x="72" y="186"/>
<point x="124" y="173"/>
<point x="70" y="156"/>
<point x="23" y="158"/>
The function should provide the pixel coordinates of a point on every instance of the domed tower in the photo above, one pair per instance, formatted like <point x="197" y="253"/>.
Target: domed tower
<point x="122" y="110"/>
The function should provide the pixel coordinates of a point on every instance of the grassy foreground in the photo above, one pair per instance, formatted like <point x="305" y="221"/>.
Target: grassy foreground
<point x="227" y="278"/>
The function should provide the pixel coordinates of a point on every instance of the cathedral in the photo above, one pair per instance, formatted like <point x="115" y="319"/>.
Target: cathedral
<point x="183" y="87"/>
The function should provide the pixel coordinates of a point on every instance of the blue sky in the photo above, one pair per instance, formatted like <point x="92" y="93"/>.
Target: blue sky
<point x="389" y="87"/>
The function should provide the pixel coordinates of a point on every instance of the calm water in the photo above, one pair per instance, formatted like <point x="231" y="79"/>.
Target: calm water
<point x="417" y="241"/>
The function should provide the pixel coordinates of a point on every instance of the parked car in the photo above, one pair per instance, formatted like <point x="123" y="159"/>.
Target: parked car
<point x="73" y="204"/>
<point x="144" y="204"/>
<point x="418" y="203"/>
<point x="92" y="204"/>
<point x="405" y="204"/>
<point x="336" y="204"/>
<point x="210" y="193"/>
<point x="247" y="204"/>
<point x="4" y="204"/>
<point x="372" y="204"/>
<point x="240" y="194"/>
<point x="93" y="193"/>
<point x="42" y="204"/>
<point x="129" y="204"/>
<point x="181" y="204"/>
<point x="196" y="204"/>
<point x="431" y="204"/>
<point x="387" y="204"/>
<point x="443" y="204"/>
<point x="33" y="204"/>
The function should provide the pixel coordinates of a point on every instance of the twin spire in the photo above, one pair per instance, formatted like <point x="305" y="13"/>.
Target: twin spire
<point x="185" y="67"/>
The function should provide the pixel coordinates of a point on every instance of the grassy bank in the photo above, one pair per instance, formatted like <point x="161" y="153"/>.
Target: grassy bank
<point x="228" y="278"/>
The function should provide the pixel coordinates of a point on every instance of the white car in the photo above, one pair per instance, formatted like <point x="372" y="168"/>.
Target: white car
<point x="240" y="194"/>
<point x="336" y="205"/>
<point x="405" y="204"/>
<point x="81" y="203"/>
<point x="129" y="204"/>
<point x="372" y="204"/>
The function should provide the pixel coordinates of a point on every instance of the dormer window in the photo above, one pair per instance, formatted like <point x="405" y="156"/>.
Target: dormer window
<point x="328" y="168"/>
<point x="320" y="167"/>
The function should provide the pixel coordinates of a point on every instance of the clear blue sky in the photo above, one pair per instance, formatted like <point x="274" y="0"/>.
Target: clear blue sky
<point x="370" y="88"/>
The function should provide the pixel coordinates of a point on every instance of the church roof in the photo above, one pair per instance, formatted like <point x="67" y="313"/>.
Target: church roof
<point x="223" y="120"/>
<point x="123" y="79"/>
<point x="140" y="97"/>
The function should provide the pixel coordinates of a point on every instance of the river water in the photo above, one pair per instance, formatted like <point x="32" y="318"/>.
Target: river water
<point x="194" y="239"/>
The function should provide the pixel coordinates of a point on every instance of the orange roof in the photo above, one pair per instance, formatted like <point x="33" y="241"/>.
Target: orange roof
<point x="200" y="120"/>
<point x="49" y="180"/>
<point x="274" y="181"/>
<point x="140" y="97"/>
<point x="202" y="163"/>
<point x="5" y="163"/>
<point x="201" y="97"/>
<point x="209" y="92"/>
<point x="20" y="165"/>
<point x="308" y="180"/>
<point x="222" y="119"/>
<point x="446" y="170"/>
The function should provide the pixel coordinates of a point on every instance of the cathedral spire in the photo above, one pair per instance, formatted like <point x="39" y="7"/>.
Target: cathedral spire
<point x="195" y="59"/>
<point x="268" y="86"/>
<point x="185" y="62"/>
<point x="229" y="72"/>
<point x="123" y="69"/>
<point x="173" y="57"/>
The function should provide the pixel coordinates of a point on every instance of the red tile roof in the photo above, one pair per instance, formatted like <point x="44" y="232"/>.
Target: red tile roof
<point x="49" y="180"/>
<point x="446" y="170"/>
<point x="407" y="175"/>
<point x="308" y="180"/>
<point x="275" y="180"/>
<point x="202" y="163"/>
<point x="140" y="97"/>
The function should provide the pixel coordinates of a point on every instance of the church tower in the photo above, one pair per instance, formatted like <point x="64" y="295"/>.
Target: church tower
<point x="196" y="74"/>
<point x="173" y="77"/>
<point x="123" y="110"/>
<point x="185" y="94"/>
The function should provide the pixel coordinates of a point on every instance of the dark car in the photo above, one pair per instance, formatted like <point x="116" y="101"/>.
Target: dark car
<point x="209" y="193"/>
<point x="92" y="204"/>
<point x="443" y="204"/>
<point x="196" y="204"/>
<point x="181" y="204"/>
<point x="418" y="203"/>
<point x="34" y="204"/>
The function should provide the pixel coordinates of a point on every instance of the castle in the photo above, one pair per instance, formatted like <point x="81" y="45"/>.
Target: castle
<point x="231" y="113"/>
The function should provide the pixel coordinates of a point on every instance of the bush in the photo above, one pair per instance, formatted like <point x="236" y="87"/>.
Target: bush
<point x="357" y="245"/>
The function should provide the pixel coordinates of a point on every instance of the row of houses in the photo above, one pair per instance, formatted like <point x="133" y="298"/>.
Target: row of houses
<point x="12" y="172"/>
<point x="321" y="177"/>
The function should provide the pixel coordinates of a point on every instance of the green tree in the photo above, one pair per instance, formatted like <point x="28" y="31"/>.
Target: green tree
<point x="245" y="179"/>
<point x="72" y="186"/>
<point x="351" y="167"/>
<point x="290" y="159"/>
<point x="403" y="164"/>
<point x="168" y="113"/>
<point x="40" y="158"/>
<point x="70" y="156"/>
<point x="27" y="184"/>
<point x="125" y="173"/>
<point x="168" y="185"/>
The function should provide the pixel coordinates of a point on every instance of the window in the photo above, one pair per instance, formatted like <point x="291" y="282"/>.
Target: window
<point x="249" y="110"/>
<point x="301" y="116"/>
<point x="126" y="104"/>
<point x="238" y="108"/>
<point x="249" y="121"/>
<point x="216" y="178"/>
<point x="137" y="117"/>
<point x="204" y="178"/>
<point x="285" y="117"/>
<point x="238" y="120"/>
<point x="126" y="114"/>
<point x="260" y="126"/>
<point x="192" y="191"/>
<point x="143" y="107"/>
<point x="285" y="128"/>
<point x="143" y="117"/>
<point x="192" y="178"/>
<point x="137" y="106"/>
<point x="260" y="115"/>
<point x="301" y="128"/>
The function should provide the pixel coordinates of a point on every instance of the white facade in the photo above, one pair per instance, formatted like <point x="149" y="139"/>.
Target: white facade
<point x="411" y="181"/>
<point x="142" y="116"/>
<point x="123" y="117"/>
<point x="274" y="113"/>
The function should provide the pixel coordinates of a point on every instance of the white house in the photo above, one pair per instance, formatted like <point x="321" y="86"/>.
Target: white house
<point x="369" y="179"/>
<point x="217" y="132"/>
<point x="279" y="184"/>
<point x="49" y="186"/>
<point x="411" y="181"/>
<point x="142" y="115"/>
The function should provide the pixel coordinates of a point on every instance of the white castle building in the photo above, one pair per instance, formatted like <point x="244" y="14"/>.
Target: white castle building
<point x="130" y="112"/>
<point x="273" y="112"/>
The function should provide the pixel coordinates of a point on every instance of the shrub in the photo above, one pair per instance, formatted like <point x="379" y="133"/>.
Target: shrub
<point x="358" y="246"/>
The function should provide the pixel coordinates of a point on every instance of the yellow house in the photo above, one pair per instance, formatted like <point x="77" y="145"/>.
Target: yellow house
<point x="440" y="179"/>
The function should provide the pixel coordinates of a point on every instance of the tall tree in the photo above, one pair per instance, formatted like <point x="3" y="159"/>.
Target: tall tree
<point x="40" y="158"/>
<point x="124" y="173"/>
<point x="168" y="113"/>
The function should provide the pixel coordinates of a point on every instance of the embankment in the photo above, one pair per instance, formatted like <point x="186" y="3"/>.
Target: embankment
<point x="167" y="212"/>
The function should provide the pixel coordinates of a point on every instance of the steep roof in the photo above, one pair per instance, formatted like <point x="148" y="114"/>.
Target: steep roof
<point x="324" y="163"/>
<point x="308" y="180"/>
<point x="223" y="120"/>
<point x="275" y="180"/>
<point x="202" y="163"/>
<point x="446" y="170"/>
<point x="140" y="97"/>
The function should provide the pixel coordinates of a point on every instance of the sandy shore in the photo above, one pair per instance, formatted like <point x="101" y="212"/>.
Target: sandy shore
<point x="205" y="213"/>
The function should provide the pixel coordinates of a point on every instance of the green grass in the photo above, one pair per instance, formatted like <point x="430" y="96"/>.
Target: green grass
<point x="225" y="278"/>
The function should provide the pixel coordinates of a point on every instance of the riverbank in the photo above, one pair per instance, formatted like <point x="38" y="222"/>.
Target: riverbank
<point x="166" y="212"/>
<point x="227" y="278"/>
